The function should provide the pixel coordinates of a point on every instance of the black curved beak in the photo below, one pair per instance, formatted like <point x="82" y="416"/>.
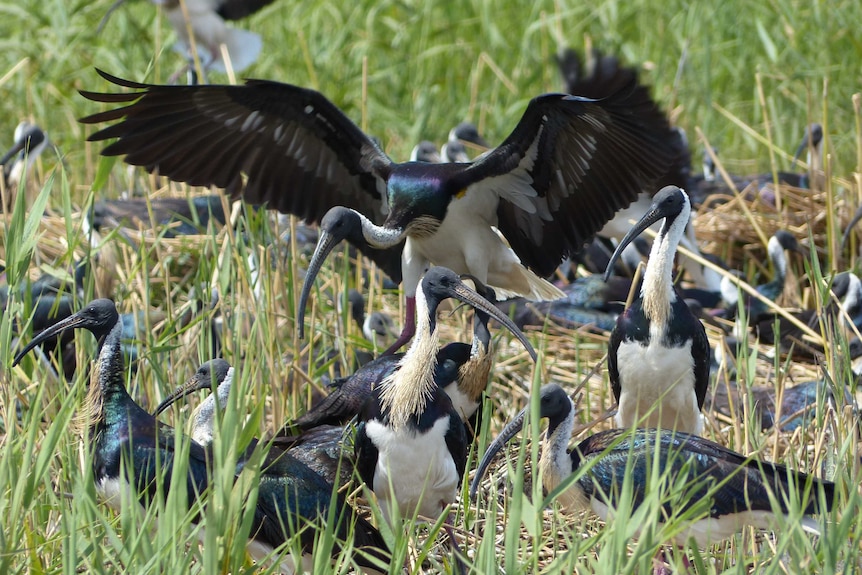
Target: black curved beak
<point x="651" y="217"/>
<point x="12" y="152"/>
<point x="464" y="294"/>
<point x="505" y="436"/>
<point x="325" y="244"/>
<point x="197" y="382"/>
<point x="71" y="322"/>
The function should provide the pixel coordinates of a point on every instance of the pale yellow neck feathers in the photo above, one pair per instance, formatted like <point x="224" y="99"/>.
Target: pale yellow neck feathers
<point x="407" y="391"/>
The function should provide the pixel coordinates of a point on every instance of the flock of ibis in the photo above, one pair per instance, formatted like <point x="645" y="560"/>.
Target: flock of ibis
<point x="559" y="193"/>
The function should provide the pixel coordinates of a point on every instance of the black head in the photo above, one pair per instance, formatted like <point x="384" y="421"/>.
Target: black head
<point x="357" y="306"/>
<point x="342" y="224"/>
<point x="667" y="204"/>
<point x="787" y="241"/>
<point x="441" y="283"/>
<point x="211" y="372"/>
<point x="99" y="317"/>
<point x="554" y="404"/>
<point x="813" y="137"/>
<point x="29" y="140"/>
<point x="426" y="151"/>
<point x="571" y="67"/>
<point x="455" y="151"/>
<point x="467" y="132"/>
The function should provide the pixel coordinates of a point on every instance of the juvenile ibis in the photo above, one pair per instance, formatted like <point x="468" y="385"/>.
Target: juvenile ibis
<point x="132" y="450"/>
<point x="740" y="491"/>
<point x="570" y="163"/>
<point x="658" y="358"/>
<point x="375" y="326"/>
<point x="411" y="446"/>
<point x="29" y="143"/>
<point x="216" y="372"/>
<point x="322" y="448"/>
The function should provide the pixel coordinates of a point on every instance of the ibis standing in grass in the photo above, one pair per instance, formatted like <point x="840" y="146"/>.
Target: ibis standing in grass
<point x="29" y="143"/>
<point x="411" y="446"/>
<point x="566" y="168"/>
<point x="732" y="490"/>
<point x="659" y="355"/>
<point x="132" y="451"/>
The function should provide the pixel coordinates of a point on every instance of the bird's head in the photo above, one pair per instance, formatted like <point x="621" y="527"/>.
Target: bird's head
<point x="210" y="373"/>
<point x="99" y="316"/>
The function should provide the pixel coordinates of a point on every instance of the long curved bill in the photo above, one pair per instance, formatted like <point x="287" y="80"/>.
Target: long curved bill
<point x="73" y="321"/>
<point x="651" y="217"/>
<point x="505" y="436"/>
<point x="464" y="294"/>
<point x="325" y="244"/>
<point x="17" y="147"/>
<point x="196" y="382"/>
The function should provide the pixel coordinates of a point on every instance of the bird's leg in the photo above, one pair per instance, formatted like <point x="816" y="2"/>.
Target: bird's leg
<point x="460" y="567"/>
<point x="409" y="327"/>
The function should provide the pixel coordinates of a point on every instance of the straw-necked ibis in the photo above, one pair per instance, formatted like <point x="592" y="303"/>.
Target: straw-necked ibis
<point x="566" y="168"/>
<point x="133" y="452"/>
<point x="411" y="446"/>
<point x="732" y="490"/>
<point x="29" y="143"/>
<point x="658" y="359"/>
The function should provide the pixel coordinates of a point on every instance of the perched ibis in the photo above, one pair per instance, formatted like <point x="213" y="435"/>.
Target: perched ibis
<point x="132" y="450"/>
<point x="658" y="359"/>
<point x="734" y="491"/>
<point x="411" y="446"/>
<point x="569" y="164"/>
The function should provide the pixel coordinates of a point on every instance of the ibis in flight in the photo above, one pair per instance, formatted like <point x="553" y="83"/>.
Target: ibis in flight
<point x="134" y="452"/>
<point x="203" y="23"/>
<point x="732" y="490"/>
<point x="567" y="167"/>
<point x="658" y="359"/>
<point x="411" y="445"/>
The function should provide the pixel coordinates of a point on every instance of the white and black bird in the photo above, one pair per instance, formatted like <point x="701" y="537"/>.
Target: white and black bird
<point x="566" y="168"/>
<point x="411" y="445"/>
<point x="731" y="490"/>
<point x="658" y="358"/>
<point x="29" y="143"/>
<point x="135" y="453"/>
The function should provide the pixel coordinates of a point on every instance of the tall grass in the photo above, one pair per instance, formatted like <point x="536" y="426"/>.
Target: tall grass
<point x="749" y="74"/>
